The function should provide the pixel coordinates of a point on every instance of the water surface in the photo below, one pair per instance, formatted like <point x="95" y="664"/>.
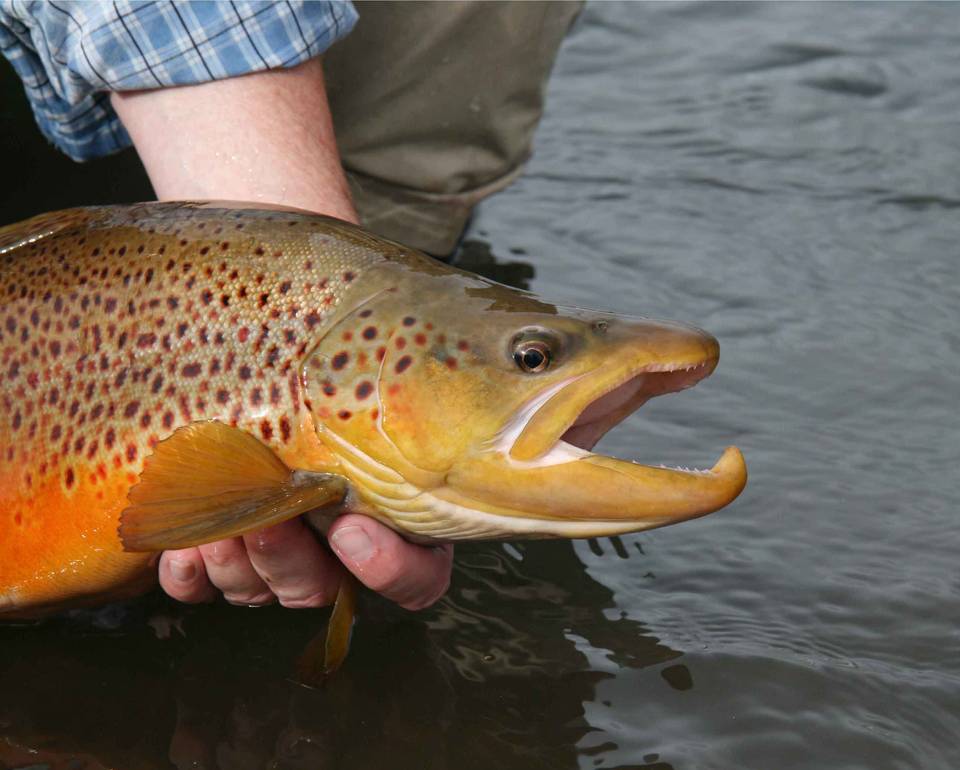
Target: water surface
<point x="785" y="176"/>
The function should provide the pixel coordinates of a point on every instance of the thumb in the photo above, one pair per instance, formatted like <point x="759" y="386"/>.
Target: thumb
<point x="413" y="576"/>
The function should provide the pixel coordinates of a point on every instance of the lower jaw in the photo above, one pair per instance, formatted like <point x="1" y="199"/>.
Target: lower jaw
<point x="459" y="518"/>
<point x="588" y="495"/>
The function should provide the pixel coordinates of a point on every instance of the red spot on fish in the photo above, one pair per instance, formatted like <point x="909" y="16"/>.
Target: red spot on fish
<point x="347" y="336"/>
<point x="131" y="452"/>
<point x="349" y="276"/>
<point x="191" y="370"/>
<point x="110" y="438"/>
<point x="400" y="342"/>
<point x="340" y="360"/>
<point x="68" y="477"/>
<point x="167" y="420"/>
<point x="329" y="389"/>
<point x="131" y="409"/>
<point x="428" y="326"/>
<point x="420" y="339"/>
<point x="266" y="430"/>
<point x="403" y="363"/>
<point x="284" y="429"/>
<point x="344" y="414"/>
<point x="462" y="345"/>
<point x="381" y="352"/>
<point x="146" y="340"/>
<point x="451" y="363"/>
<point x="244" y="372"/>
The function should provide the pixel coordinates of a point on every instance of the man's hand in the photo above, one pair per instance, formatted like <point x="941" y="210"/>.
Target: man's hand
<point x="287" y="563"/>
<point x="268" y="138"/>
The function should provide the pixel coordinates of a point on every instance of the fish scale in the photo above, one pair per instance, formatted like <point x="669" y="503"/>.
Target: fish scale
<point x="120" y="325"/>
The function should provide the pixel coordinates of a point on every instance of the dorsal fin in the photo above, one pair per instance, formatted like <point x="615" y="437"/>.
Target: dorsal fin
<point x="208" y="482"/>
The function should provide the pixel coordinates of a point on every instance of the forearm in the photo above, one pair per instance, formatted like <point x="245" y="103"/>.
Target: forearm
<point x="265" y="137"/>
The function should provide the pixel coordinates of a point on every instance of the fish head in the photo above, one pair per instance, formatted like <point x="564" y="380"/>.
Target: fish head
<point x="463" y="409"/>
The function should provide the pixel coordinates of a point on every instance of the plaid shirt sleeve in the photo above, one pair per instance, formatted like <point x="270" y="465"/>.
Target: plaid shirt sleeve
<point x="70" y="55"/>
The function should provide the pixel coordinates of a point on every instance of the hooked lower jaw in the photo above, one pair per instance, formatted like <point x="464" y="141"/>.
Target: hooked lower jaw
<point x="564" y="490"/>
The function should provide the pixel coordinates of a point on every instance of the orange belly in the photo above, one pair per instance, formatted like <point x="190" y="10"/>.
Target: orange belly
<point x="58" y="540"/>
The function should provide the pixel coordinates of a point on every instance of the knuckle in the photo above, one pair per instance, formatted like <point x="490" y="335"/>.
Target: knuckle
<point x="253" y="599"/>
<point x="322" y="598"/>
<point x="188" y="593"/>
<point x="276" y="540"/>
<point x="222" y="554"/>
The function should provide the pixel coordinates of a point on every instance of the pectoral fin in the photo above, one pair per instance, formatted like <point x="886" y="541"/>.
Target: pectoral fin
<point x="326" y="652"/>
<point x="208" y="482"/>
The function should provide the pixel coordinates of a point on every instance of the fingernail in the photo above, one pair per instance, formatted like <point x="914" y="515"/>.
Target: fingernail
<point x="183" y="572"/>
<point x="353" y="543"/>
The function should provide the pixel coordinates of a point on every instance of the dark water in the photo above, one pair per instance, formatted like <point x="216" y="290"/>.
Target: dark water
<point x="788" y="177"/>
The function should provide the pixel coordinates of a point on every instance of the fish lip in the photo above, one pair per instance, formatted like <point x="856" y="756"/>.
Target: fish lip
<point x="582" y="430"/>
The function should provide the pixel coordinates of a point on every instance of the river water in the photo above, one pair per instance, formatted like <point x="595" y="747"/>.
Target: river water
<point x="785" y="176"/>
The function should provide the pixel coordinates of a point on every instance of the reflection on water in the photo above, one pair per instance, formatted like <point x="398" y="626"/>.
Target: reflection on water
<point x="784" y="175"/>
<point x="501" y="667"/>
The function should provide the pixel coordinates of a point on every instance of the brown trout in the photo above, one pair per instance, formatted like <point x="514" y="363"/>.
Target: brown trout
<point x="176" y="373"/>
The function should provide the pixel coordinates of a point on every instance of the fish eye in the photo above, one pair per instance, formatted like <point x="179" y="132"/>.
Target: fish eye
<point x="532" y="356"/>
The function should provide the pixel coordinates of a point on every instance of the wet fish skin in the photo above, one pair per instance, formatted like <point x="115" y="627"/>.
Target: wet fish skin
<point x="132" y="337"/>
<point x="120" y="325"/>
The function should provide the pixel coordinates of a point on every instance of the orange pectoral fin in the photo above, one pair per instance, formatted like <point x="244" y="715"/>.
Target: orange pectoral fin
<point x="326" y="652"/>
<point x="208" y="482"/>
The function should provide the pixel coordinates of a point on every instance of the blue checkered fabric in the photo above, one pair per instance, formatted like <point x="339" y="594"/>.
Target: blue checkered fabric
<point x="70" y="55"/>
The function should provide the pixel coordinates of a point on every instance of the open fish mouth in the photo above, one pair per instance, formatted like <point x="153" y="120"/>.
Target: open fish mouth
<point x="568" y="419"/>
<point x="540" y="471"/>
<point x="611" y="408"/>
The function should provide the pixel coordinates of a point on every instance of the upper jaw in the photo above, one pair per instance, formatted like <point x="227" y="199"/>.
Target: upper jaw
<point x="579" y="411"/>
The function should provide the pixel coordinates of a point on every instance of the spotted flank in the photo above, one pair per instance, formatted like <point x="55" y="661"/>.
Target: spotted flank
<point x="176" y="373"/>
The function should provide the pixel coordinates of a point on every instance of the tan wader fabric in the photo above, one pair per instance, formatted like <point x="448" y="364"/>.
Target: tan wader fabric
<point x="435" y="105"/>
